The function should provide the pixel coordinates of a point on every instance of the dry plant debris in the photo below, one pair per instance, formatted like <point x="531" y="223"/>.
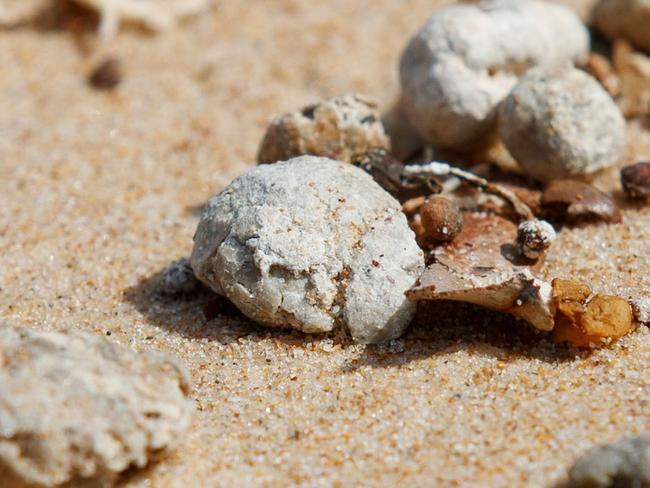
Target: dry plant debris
<point x="575" y="200"/>
<point x="533" y="236"/>
<point x="158" y="15"/>
<point x="339" y="128"/>
<point x="465" y="60"/>
<point x="625" y="463"/>
<point x="560" y="122"/>
<point x="627" y="19"/>
<point x="74" y="405"/>
<point x="388" y="172"/>
<point x="633" y="70"/>
<point x="310" y="243"/>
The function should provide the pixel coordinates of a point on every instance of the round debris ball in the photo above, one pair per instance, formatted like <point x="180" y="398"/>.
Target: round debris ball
<point x="75" y="405"/>
<point x="441" y="218"/>
<point x="310" y="243"/>
<point x="458" y="68"/>
<point x="338" y="128"/>
<point x="561" y="123"/>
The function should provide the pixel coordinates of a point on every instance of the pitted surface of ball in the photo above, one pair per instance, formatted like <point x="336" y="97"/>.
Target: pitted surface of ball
<point x="629" y="19"/>
<point x="561" y="123"/>
<point x="310" y="243"/>
<point x="465" y="60"/>
<point x="76" y="406"/>
<point x="338" y="128"/>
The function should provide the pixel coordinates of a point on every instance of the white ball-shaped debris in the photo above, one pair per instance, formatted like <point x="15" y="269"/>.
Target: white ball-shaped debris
<point x="465" y="60"/>
<point x="629" y="19"/>
<point x="338" y="128"/>
<point x="76" y="406"/>
<point x="534" y="237"/>
<point x="310" y="243"/>
<point x="561" y="123"/>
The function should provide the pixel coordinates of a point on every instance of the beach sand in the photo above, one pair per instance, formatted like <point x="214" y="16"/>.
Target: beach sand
<point x="99" y="191"/>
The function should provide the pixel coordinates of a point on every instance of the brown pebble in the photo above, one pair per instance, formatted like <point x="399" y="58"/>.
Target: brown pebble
<point x="636" y="180"/>
<point x="575" y="200"/>
<point x="441" y="218"/>
<point x="583" y="321"/>
<point x="106" y="75"/>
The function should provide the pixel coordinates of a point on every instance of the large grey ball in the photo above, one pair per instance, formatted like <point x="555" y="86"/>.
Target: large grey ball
<point x="310" y="243"/>
<point x="561" y="123"/>
<point x="464" y="61"/>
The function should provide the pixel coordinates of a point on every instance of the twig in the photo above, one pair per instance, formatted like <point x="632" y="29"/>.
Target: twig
<point x="437" y="169"/>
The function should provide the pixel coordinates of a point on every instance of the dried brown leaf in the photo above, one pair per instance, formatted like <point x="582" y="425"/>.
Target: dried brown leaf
<point x="572" y="200"/>
<point x="515" y="292"/>
<point x="482" y="266"/>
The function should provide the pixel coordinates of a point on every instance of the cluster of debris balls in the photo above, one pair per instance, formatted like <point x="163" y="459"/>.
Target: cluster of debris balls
<point x="348" y="223"/>
<point x="338" y="227"/>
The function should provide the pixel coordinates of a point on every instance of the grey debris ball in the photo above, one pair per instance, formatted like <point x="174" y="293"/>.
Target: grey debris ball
<point x="625" y="463"/>
<point x="310" y="243"/>
<point x="337" y="128"/>
<point x="466" y="59"/>
<point x="561" y="123"/>
<point x="178" y="278"/>
<point x="77" y="406"/>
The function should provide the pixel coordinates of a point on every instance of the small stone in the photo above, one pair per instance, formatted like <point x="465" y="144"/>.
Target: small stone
<point x="625" y="463"/>
<point x="575" y="200"/>
<point x="534" y="237"/>
<point x="628" y="19"/>
<point x="561" y="123"/>
<point x="338" y="128"/>
<point x="441" y="218"/>
<point x="465" y="60"/>
<point x="178" y="278"/>
<point x="635" y="180"/>
<point x="74" y="405"/>
<point x="107" y="75"/>
<point x="311" y="244"/>
<point x="583" y="320"/>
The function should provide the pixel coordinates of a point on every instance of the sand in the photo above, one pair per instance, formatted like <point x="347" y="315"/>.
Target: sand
<point x="100" y="191"/>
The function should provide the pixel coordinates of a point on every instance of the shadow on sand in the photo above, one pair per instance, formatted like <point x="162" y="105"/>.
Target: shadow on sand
<point x="438" y="328"/>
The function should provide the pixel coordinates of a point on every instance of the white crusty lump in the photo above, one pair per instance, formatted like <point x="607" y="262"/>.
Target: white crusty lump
<point x="467" y="58"/>
<point x="76" y="406"/>
<point x="629" y="19"/>
<point x="158" y="15"/>
<point x="624" y="463"/>
<point x="338" y="128"/>
<point x="560" y="123"/>
<point x="310" y="243"/>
